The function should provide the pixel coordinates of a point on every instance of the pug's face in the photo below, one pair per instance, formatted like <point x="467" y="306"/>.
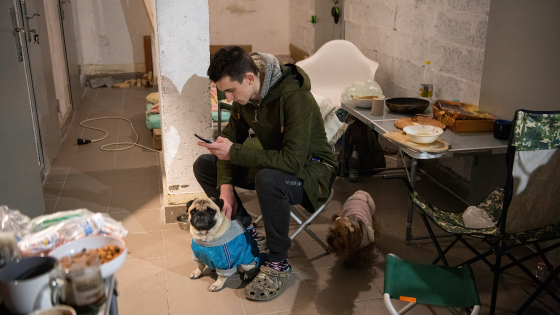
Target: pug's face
<point x="205" y="213"/>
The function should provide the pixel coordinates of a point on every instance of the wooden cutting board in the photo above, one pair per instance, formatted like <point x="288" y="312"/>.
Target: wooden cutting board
<point x="404" y="122"/>
<point x="400" y="137"/>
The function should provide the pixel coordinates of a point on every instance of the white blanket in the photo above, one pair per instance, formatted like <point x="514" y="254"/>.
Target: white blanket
<point x="333" y="126"/>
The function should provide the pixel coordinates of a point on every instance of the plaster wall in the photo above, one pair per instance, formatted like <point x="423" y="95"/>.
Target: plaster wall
<point x="111" y="35"/>
<point x="402" y="34"/>
<point x="302" y="31"/>
<point x="325" y="28"/>
<point x="184" y="57"/>
<point x="527" y="75"/>
<point x="60" y="74"/>
<point x="260" y="23"/>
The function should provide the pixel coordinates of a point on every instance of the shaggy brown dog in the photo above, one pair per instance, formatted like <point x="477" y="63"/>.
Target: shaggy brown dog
<point x="351" y="234"/>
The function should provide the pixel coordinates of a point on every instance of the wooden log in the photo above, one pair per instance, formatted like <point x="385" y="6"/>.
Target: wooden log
<point x="148" y="8"/>
<point x="123" y="85"/>
<point x="148" y="54"/>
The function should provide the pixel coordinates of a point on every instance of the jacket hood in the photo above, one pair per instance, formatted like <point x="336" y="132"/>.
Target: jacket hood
<point x="293" y="79"/>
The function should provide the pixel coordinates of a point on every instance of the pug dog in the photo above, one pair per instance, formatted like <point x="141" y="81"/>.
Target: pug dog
<point x="221" y="244"/>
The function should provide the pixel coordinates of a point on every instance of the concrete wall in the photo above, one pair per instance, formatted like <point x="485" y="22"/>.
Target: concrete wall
<point x="184" y="57"/>
<point x="522" y="57"/>
<point x="402" y="34"/>
<point x="60" y="73"/>
<point x="325" y="28"/>
<point x="302" y="31"/>
<point x="111" y="35"/>
<point x="260" y="23"/>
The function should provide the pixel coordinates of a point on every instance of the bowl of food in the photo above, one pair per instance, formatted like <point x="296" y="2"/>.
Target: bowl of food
<point x="422" y="133"/>
<point x="363" y="102"/>
<point x="111" y="250"/>
<point x="407" y="105"/>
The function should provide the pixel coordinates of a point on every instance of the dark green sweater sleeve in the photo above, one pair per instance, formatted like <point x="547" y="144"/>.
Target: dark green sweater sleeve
<point x="237" y="132"/>
<point x="297" y="128"/>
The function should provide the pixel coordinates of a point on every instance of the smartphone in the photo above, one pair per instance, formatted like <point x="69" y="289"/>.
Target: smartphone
<point x="203" y="139"/>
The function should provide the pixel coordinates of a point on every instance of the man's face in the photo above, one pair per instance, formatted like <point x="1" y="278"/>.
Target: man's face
<point x="238" y="92"/>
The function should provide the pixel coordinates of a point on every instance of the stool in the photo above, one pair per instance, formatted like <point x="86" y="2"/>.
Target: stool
<point x="303" y="225"/>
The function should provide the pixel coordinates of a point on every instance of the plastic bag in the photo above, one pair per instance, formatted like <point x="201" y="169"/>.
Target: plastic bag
<point x="476" y="218"/>
<point x="50" y="231"/>
<point x="13" y="221"/>
<point x="361" y="89"/>
<point x="113" y="227"/>
<point x="63" y="232"/>
<point x="8" y="248"/>
<point x="44" y="221"/>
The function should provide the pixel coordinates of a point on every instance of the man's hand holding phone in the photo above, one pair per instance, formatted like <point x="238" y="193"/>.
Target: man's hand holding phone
<point x="219" y="148"/>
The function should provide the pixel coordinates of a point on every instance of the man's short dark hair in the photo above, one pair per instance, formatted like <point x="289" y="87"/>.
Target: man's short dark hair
<point x="233" y="62"/>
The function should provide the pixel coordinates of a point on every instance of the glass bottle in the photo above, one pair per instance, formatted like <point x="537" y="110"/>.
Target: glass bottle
<point x="426" y="85"/>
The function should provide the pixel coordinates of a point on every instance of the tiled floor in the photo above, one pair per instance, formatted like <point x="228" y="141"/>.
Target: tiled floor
<point x="155" y="277"/>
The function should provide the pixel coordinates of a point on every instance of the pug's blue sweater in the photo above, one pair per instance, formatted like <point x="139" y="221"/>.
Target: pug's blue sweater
<point x="235" y="247"/>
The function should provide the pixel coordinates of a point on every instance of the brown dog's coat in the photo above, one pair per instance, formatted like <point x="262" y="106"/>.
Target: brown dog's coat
<point x="352" y="233"/>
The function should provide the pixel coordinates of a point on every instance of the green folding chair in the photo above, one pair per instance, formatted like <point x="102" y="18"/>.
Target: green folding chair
<point x="429" y="284"/>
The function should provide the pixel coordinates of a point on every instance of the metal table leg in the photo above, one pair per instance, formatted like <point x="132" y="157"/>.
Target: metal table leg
<point x="409" y="236"/>
<point x="114" y="308"/>
<point x="342" y="161"/>
<point x="413" y="167"/>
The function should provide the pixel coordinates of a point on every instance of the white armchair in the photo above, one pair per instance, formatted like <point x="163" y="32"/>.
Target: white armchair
<point x="336" y="65"/>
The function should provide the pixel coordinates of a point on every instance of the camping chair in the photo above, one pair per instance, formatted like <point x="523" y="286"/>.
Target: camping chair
<point x="303" y="225"/>
<point x="428" y="284"/>
<point x="526" y="212"/>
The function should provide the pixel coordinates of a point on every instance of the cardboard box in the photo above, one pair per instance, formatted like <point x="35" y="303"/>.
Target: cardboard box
<point x="466" y="117"/>
<point x="157" y="138"/>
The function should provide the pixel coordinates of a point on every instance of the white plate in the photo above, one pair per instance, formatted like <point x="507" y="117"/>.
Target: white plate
<point x="94" y="242"/>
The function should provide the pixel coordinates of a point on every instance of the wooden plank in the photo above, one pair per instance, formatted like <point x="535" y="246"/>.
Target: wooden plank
<point x="297" y="53"/>
<point x="400" y="137"/>
<point x="148" y="8"/>
<point x="148" y="54"/>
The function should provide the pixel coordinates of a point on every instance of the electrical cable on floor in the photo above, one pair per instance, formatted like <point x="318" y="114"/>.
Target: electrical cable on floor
<point x="103" y="147"/>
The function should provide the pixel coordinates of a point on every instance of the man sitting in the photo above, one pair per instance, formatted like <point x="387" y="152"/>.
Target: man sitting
<point x="296" y="164"/>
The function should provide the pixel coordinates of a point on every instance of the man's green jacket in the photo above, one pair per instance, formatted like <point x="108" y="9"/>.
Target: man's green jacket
<point x="290" y="129"/>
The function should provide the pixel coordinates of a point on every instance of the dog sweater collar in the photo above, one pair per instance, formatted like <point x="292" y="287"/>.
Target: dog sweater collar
<point x="234" y="230"/>
<point x="368" y="236"/>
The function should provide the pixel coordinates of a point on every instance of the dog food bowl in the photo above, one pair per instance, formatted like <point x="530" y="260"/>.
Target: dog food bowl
<point x="422" y="133"/>
<point x="183" y="221"/>
<point x="94" y="242"/>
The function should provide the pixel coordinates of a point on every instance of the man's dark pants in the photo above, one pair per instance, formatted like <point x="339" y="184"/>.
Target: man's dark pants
<point x="276" y="191"/>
